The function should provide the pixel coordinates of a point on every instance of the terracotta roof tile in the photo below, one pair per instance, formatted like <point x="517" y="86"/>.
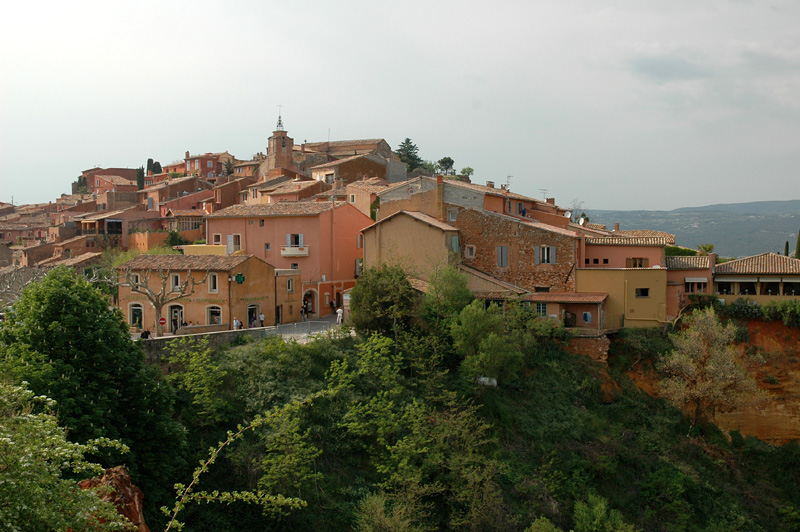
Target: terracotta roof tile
<point x="185" y="262"/>
<point x="590" y="225"/>
<point x="764" y="264"/>
<point x="292" y="186"/>
<point x="347" y="159"/>
<point x="116" y="180"/>
<point x="635" y="233"/>
<point x="687" y="263"/>
<point x="282" y="208"/>
<point x="627" y="241"/>
<point x="186" y="212"/>
<point x="549" y="297"/>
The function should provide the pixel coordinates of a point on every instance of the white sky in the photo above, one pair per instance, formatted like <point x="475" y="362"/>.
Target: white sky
<point x="621" y="104"/>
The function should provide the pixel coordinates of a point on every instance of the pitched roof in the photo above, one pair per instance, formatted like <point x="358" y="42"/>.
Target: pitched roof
<point x="185" y="212"/>
<point x="545" y="297"/>
<point x="373" y="184"/>
<point x="185" y="262"/>
<point x="627" y="241"/>
<point x="292" y="186"/>
<point x="282" y="208"/>
<point x="422" y="217"/>
<point x="344" y="142"/>
<point x="764" y="264"/>
<point x="636" y="233"/>
<point x="348" y="159"/>
<point x="687" y="263"/>
<point x="591" y="225"/>
<point x="116" y="180"/>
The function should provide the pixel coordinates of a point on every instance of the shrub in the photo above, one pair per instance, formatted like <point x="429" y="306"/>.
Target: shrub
<point x="744" y="309"/>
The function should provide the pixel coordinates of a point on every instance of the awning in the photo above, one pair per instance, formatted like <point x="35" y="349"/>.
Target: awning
<point x="696" y="279"/>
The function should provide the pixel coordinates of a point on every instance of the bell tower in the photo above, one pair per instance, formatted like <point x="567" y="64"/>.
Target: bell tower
<point x="279" y="149"/>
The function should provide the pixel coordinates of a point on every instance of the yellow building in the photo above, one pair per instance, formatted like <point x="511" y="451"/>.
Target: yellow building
<point x="637" y="297"/>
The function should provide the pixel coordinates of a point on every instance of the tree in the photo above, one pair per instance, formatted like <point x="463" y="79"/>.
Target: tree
<point x="34" y="455"/>
<point x="473" y="324"/>
<point x="467" y="171"/>
<point x="155" y="284"/>
<point x="446" y="164"/>
<point x="705" y="249"/>
<point x="140" y="178"/>
<point x="229" y="164"/>
<point x="447" y="296"/>
<point x="149" y="166"/>
<point x="786" y="249"/>
<point x="382" y="300"/>
<point x="409" y="154"/>
<point x="703" y="373"/>
<point x="65" y="340"/>
<point x="157" y="167"/>
<point x="797" y="246"/>
<point x="14" y="280"/>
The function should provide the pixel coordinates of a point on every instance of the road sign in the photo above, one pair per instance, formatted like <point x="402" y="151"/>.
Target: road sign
<point x="162" y="321"/>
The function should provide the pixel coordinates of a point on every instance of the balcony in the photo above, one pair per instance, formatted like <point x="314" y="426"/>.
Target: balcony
<point x="294" y="251"/>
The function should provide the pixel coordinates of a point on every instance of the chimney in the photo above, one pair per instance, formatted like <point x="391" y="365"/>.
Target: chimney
<point x="149" y="172"/>
<point x="551" y="201"/>
<point x="616" y="226"/>
<point x="187" y="155"/>
<point x="490" y="184"/>
<point x="440" y="198"/>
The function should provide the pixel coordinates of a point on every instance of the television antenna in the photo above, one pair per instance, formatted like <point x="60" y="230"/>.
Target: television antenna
<point x="544" y="192"/>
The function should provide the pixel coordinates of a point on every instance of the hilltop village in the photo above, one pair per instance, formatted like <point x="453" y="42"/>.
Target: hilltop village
<point x="283" y="237"/>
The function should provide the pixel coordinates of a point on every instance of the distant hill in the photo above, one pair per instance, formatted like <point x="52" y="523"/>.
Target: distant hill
<point x="735" y="229"/>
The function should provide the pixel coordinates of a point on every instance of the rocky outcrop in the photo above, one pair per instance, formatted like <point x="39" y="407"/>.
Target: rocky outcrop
<point x="120" y="491"/>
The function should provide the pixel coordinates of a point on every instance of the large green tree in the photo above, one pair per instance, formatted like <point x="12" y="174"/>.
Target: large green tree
<point x="409" y="154"/>
<point x="35" y="493"/>
<point x="65" y="339"/>
<point x="446" y="164"/>
<point x="703" y="371"/>
<point x="382" y="300"/>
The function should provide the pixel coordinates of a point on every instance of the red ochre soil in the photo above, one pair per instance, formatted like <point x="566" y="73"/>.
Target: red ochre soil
<point x="777" y="418"/>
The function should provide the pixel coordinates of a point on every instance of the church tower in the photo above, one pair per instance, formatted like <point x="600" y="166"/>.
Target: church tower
<point x="280" y="148"/>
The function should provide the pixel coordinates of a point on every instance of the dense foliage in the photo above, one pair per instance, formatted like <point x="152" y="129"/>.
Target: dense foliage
<point x="65" y="340"/>
<point x="394" y="429"/>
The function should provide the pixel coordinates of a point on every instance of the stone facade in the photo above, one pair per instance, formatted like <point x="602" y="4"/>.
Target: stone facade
<point x="525" y="244"/>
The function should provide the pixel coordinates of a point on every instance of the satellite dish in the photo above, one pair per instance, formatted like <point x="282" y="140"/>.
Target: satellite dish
<point x="582" y="221"/>
<point x="568" y="214"/>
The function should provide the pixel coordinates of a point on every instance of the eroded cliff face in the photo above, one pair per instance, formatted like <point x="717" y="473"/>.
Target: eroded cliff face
<point x="120" y="491"/>
<point x="777" y="418"/>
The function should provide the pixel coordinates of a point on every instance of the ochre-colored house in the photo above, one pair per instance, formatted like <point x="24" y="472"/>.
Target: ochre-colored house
<point x="637" y="297"/>
<point x="208" y="291"/>
<point x="321" y="239"/>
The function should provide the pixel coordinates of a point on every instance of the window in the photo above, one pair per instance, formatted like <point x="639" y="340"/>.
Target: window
<point x="520" y="207"/>
<point x="216" y="238"/>
<point x="137" y="315"/>
<point x="266" y="246"/>
<point x="210" y="164"/>
<point x="295" y="266"/>
<point x="290" y="285"/>
<point x="213" y="282"/>
<point x="587" y="317"/>
<point x="251" y="221"/>
<point x="454" y="243"/>
<point x="469" y="252"/>
<point x="188" y="165"/>
<point x="214" y="316"/>
<point x="605" y="261"/>
<point x="261" y="221"/>
<point x="237" y="242"/>
<point x="197" y="164"/>
<point x="327" y="298"/>
<point x="637" y="262"/>
<point x="360" y="241"/>
<point x="595" y="261"/>
<point x="452" y="215"/>
<point x="294" y="240"/>
<point x="502" y="256"/>
<point x="541" y="309"/>
<point x="134" y="278"/>
<point x="352" y="198"/>
<point x="586" y="261"/>
<point x="176" y="282"/>
<point x="642" y="292"/>
<point x="545" y="255"/>
<point x="238" y="170"/>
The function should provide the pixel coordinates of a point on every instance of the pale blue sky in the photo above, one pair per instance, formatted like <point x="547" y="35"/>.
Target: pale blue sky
<point x="620" y="104"/>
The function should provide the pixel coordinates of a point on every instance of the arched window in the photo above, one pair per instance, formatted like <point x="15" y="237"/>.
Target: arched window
<point x="214" y="315"/>
<point x="136" y="314"/>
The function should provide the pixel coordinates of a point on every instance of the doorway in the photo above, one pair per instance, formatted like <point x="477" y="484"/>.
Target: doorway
<point x="175" y="313"/>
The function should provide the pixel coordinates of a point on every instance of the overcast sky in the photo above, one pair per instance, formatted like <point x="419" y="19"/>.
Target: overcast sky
<point x="621" y="104"/>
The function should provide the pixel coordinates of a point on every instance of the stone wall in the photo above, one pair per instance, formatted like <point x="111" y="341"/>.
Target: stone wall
<point x="154" y="347"/>
<point x="595" y="348"/>
<point x="486" y="231"/>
